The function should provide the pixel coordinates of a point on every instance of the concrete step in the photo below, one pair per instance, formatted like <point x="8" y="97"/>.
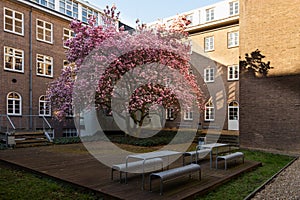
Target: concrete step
<point x="29" y="133"/>
<point x="30" y="139"/>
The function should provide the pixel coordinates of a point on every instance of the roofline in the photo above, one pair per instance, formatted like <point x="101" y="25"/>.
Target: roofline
<point x="213" y="24"/>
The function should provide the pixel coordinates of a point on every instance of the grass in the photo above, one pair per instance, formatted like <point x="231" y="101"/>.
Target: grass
<point x="16" y="184"/>
<point x="242" y="186"/>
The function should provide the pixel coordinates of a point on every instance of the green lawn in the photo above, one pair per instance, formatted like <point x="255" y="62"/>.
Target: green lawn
<point x="15" y="184"/>
<point x="242" y="186"/>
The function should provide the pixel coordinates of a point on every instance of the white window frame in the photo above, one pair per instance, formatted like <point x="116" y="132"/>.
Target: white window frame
<point x="209" y="113"/>
<point x="67" y="36"/>
<point x="44" y="106"/>
<point x="44" y="29"/>
<point x="48" y="3"/>
<point x="233" y="39"/>
<point x="69" y="132"/>
<point x="169" y="114"/>
<point x="14" y="58"/>
<point x="233" y="73"/>
<point x="209" y="43"/>
<point x="188" y="114"/>
<point x="44" y="62"/>
<point x="209" y="75"/>
<point x="69" y="7"/>
<point x="190" y="18"/>
<point x="210" y="14"/>
<point x="14" y="21"/>
<point x="235" y="112"/>
<point x="14" y="103"/>
<point x="234" y="8"/>
<point x="89" y="12"/>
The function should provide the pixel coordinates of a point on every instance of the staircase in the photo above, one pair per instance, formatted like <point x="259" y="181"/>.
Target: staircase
<point x="30" y="139"/>
<point x="25" y="131"/>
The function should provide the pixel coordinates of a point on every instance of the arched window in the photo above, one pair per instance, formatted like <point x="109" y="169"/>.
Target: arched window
<point x="14" y="103"/>
<point x="44" y="106"/>
<point x="209" y="111"/>
<point x="233" y="109"/>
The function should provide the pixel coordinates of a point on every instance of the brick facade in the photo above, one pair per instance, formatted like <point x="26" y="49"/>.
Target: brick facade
<point x="21" y="82"/>
<point x="270" y="107"/>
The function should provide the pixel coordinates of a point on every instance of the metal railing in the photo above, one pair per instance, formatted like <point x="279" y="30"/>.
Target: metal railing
<point x="26" y="123"/>
<point x="6" y="125"/>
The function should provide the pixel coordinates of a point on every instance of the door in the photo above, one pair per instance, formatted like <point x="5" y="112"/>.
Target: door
<point x="233" y="116"/>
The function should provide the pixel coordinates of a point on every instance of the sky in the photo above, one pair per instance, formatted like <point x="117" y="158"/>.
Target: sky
<point x="151" y="10"/>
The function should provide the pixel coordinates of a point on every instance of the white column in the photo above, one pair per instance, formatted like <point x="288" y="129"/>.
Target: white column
<point x="57" y="5"/>
<point x="80" y="11"/>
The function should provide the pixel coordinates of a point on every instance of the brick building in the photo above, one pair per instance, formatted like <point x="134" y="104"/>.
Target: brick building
<point x="32" y="54"/>
<point x="214" y="33"/>
<point x="270" y="107"/>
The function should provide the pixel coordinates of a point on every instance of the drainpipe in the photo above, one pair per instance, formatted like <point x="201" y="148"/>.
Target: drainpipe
<point x="30" y="70"/>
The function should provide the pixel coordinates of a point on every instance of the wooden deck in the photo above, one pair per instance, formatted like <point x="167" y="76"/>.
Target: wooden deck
<point x="73" y="164"/>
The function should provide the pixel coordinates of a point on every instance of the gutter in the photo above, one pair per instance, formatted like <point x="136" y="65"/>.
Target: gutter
<point x="30" y="71"/>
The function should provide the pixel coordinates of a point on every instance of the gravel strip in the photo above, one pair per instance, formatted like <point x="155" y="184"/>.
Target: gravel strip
<point x="285" y="186"/>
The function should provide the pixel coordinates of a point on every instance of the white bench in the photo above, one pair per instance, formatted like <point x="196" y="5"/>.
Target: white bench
<point x="232" y="156"/>
<point x="137" y="166"/>
<point x="197" y="154"/>
<point x="174" y="173"/>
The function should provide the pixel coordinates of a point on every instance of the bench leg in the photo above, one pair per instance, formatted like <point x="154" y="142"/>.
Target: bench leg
<point x="161" y="187"/>
<point x="216" y="163"/>
<point x="225" y="164"/>
<point x="112" y="174"/>
<point x="200" y="174"/>
<point x="150" y="183"/>
<point x="121" y="177"/>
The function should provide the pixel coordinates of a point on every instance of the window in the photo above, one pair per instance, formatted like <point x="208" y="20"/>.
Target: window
<point x="14" y="104"/>
<point x="13" y="21"/>
<point x="233" y="72"/>
<point x="233" y="39"/>
<point x="209" y="111"/>
<point x="169" y="114"/>
<point x="234" y="8"/>
<point x="13" y="59"/>
<point x="44" y="65"/>
<point x="188" y="114"/>
<point x="210" y="14"/>
<point x="44" y="31"/>
<point x="233" y="111"/>
<point x="209" y="75"/>
<point x="190" y="18"/>
<point x="44" y="106"/>
<point x="70" y="132"/>
<point x="68" y="34"/>
<point x="69" y="8"/>
<point x="47" y="3"/>
<point x="70" y="112"/>
<point x="209" y="43"/>
<point x="87" y="13"/>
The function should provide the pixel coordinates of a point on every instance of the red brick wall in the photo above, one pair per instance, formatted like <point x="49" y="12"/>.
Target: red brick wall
<point x="55" y="50"/>
<point x="270" y="107"/>
<point x="270" y="112"/>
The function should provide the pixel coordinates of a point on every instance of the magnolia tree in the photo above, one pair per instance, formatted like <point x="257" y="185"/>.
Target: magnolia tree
<point x="128" y="75"/>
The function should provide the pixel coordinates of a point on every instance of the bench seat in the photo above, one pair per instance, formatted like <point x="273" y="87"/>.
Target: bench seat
<point x="174" y="173"/>
<point x="137" y="167"/>
<point x="197" y="154"/>
<point x="232" y="156"/>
